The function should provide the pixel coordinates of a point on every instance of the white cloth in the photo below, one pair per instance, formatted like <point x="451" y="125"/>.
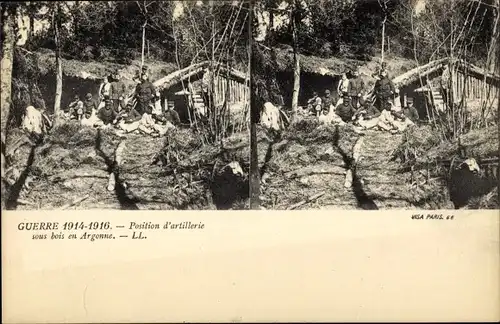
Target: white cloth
<point x="92" y="121"/>
<point x="367" y="123"/>
<point x="270" y="117"/>
<point x="105" y="89"/>
<point x="33" y="121"/>
<point x="343" y="85"/>
<point x="157" y="108"/>
<point x="331" y="118"/>
<point x="146" y="125"/>
<point x="388" y="122"/>
<point x="402" y="125"/>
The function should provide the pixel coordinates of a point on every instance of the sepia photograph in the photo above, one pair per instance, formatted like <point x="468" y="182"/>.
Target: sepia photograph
<point x="125" y="105"/>
<point x="239" y="160"/>
<point x="376" y="104"/>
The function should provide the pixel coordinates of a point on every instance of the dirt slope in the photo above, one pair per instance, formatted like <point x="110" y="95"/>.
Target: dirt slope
<point x="75" y="161"/>
<point x="311" y="159"/>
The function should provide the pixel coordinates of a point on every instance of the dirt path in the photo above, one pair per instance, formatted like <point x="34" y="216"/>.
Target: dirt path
<point x="298" y="172"/>
<point x="382" y="182"/>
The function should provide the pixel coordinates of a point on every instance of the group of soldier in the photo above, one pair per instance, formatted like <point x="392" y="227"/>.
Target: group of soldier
<point x="142" y="112"/>
<point x="352" y="105"/>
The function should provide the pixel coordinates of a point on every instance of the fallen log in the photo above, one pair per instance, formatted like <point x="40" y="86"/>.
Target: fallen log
<point x="308" y="200"/>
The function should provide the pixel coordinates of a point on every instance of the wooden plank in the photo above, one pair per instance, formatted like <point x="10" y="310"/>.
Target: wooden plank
<point x="234" y="88"/>
<point x="473" y="89"/>
<point x="460" y="86"/>
<point x="454" y="85"/>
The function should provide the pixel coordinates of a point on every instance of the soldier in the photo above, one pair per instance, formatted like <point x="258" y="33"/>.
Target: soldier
<point x="104" y="89"/>
<point x="314" y="104"/>
<point x="117" y="92"/>
<point x="384" y="91"/>
<point x="172" y="116"/>
<point x="345" y="110"/>
<point x="367" y="116"/>
<point x="75" y="108"/>
<point x="327" y="102"/>
<point x="89" y="106"/>
<point x="145" y="93"/>
<point x="144" y="70"/>
<point x="343" y="87"/>
<point x="107" y="114"/>
<point x="411" y="112"/>
<point x="356" y="89"/>
<point x="445" y="80"/>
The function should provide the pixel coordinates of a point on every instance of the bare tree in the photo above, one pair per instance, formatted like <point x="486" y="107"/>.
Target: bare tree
<point x="57" y="25"/>
<point x="144" y="9"/>
<point x="9" y="39"/>
<point x="383" y="5"/>
<point x="254" y="117"/>
<point x="295" y="21"/>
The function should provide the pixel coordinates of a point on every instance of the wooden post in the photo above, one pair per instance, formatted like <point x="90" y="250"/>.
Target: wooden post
<point x="474" y="87"/>
<point x="469" y="87"/>
<point x="459" y="84"/>
<point x="477" y="88"/>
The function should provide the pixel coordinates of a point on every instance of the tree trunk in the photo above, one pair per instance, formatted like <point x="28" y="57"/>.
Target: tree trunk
<point x="76" y="21"/>
<point x="8" y="20"/>
<point x="57" y="40"/>
<point x="296" y="69"/>
<point x="254" y="119"/>
<point x="493" y="66"/>
<point x="383" y="37"/>
<point x="143" y="42"/>
<point x="270" y="28"/>
<point x="31" y="29"/>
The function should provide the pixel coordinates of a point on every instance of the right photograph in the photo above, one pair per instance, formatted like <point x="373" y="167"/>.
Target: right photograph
<point x="375" y="104"/>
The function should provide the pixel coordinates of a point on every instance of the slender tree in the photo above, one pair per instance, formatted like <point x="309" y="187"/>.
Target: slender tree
<point x="254" y="119"/>
<point x="383" y="5"/>
<point x="295" y="22"/>
<point x="9" y="13"/>
<point x="57" y="26"/>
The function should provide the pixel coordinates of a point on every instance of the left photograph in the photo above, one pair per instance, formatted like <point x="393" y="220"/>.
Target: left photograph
<point x="137" y="105"/>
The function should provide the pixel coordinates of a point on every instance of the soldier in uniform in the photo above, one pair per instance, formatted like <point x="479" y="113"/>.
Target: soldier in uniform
<point x="384" y="91"/>
<point x="145" y="93"/>
<point x="356" y="89"/>
<point x="117" y="92"/>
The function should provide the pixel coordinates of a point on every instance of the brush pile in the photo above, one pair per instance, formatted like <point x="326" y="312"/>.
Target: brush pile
<point x="182" y="172"/>
<point x="303" y="162"/>
<point x="429" y="162"/>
